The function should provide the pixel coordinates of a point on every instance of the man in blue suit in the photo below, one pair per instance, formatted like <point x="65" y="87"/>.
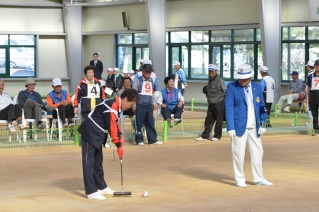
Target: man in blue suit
<point x="246" y="127"/>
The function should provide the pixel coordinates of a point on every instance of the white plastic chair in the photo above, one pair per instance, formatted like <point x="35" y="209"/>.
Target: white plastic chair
<point x="59" y="121"/>
<point x="26" y="121"/>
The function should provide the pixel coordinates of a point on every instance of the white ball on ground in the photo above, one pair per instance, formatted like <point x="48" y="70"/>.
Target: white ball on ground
<point x="144" y="194"/>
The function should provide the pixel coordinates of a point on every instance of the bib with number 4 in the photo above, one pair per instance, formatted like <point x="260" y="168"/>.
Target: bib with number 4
<point x="147" y="88"/>
<point x="93" y="91"/>
<point x="315" y="83"/>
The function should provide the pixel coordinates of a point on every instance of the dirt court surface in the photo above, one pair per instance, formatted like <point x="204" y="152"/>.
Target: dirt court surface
<point x="179" y="176"/>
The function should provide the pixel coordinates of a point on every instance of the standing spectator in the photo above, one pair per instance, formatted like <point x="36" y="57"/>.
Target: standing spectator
<point x="118" y="80"/>
<point x="180" y="80"/>
<point x="295" y="87"/>
<point x="153" y="75"/>
<point x="9" y="111"/>
<point x="32" y="104"/>
<point x="110" y="78"/>
<point x="125" y="73"/>
<point x="245" y="117"/>
<point x="171" y="102"/>
<point x="98" y="66"/>
<point x="216" y="88"/>
<point x="268" y="87"/>
<point x="145" y="106"/>
<point x="313" y="96"/>
<point x="310" y="66"/>
<point x="89" y="92"/>
<point x="59" y="98"/>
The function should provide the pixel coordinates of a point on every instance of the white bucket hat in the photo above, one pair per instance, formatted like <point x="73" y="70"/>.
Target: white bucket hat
<point x="264" y="69"/>
<point x="244" y="72"/>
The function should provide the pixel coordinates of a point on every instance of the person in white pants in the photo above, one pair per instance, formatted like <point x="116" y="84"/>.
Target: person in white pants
<point x="244" y="95"/>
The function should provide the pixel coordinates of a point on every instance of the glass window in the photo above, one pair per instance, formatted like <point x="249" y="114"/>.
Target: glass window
<point x="297" y="33"/>
<point x="3" y="69"/>
<point x="226" y="62"/>
<point x="244" y="35"/>
<point x="124" y="58"/>
<point x="260" y="60"/>
<point x="293" y="59"/>
<point x="166" y="37"/>
<point x="141" y="38"/>
<point x="179" y="37"/>
<point x="313" y="51"/>
<point x="124" y="39"/>
<point x="243" y="54"/>
<point x="21" y="40"/>
<point x="184" y="62"/>
<point x="199" y="36"/>
<point x="221" y="36"/>
<point x="313" y="33"/>
<point x="166" y="61"/>
<point x="199" y="61"/>
<point x="215" y="54"/>
<point x="3" y="39"/>
<point x="285" y="34"/>
<point x="21" y="61"/>
<point x="258" y="35"/>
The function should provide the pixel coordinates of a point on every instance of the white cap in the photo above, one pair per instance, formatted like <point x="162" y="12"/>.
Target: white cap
<point x="103" y="83"/>
<point x="310" y="64"/>
<point x="264" y="69"/>
<point x="132" y="72"/>
<point x="176" y="63"/>
<point x="56" y="82"/>
<point x="212" y="67"/>
<point x="125" y="72"/>
<point x="147" y="62"/>
<point x="110" y="69"/>
<point x="244" y="72"/>
<point x="116" y="69"/>
<point x="142" y="61"/>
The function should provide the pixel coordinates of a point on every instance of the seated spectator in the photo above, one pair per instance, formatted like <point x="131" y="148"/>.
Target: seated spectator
<point x="59" y="98"/>
<point x="171" y="101"/>
<point x="32" y="104"/>
<point x="295" y="87"/>
<point x="9" y="111"/>
<point x="127" y="85"/>
<point x="110" y="78"/>
<point x="118" y="80"/>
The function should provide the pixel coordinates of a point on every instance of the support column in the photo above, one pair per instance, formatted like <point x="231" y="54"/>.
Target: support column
<point x="156" y="11"/>
<point x="73" y="39"/>
<point x="270" y="29"/>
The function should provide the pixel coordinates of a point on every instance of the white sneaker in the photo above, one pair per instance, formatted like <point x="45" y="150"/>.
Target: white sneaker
<point x="22" y="127"/>
<point x="200" y="139"/>
<point x="215" y="139"/>
<point x="11" y="128"/>
<point x="140" y="143"/>
<point x="157" y="143"/>
<point x="287" y="109"/>
<point x="279" y="111"/>
<point x="107" y="190"/>
<point x="65" y="125"/>
<point x="107" y="145"/>
<point x="96" y="196"/>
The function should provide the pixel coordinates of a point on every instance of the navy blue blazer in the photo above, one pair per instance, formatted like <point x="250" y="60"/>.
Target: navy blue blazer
<point x="236" y="107"/>
<point x="98" y="68"/>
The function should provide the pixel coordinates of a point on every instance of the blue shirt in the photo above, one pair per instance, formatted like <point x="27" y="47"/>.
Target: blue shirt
<point x="31" y="96"/>
<point x="181" y="75"/>
<point x="295" y="86"/>
<point x="263" y="84"/>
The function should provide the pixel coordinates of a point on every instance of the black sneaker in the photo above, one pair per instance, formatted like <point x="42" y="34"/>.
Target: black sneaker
<point x="315" y="133"/>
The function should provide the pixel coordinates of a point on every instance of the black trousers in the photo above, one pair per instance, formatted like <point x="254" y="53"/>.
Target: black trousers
<point x="128" y="112"/>
<point x="11" y="112"/>
<point x="268" y="107"/>
<point x="166" y="112"/>
<point x="93" y="174"/>
<point x="314" y="105"/>
<point x="64" y="112"/>
<point x="215" y="115"/>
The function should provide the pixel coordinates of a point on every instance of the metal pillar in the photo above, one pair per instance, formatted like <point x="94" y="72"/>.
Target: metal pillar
<point x="73" y="37"/>
<point x="270" y="28"/>
<point x="156" y="11"/>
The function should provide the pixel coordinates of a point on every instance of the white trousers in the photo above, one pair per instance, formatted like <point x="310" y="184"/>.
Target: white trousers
<point x="256" y="154"/>
<point x="289" y="98"/>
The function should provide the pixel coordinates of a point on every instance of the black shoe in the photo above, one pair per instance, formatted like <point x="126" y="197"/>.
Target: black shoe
<point x="315" y="133"/>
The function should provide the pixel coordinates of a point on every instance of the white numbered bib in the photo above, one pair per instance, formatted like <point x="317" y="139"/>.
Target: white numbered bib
<point x="315" y="83"/>
<point x="147" y="88"/>
<point x="93" y="91"/>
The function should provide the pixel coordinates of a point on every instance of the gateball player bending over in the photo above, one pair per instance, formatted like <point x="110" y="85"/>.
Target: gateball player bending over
<point x="246" y="121"/>
<point x="103" y="119"/>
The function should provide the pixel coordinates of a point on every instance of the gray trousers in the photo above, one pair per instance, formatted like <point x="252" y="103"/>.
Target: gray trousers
<point x="289" y="98"/>
<point x="32" y="110"/>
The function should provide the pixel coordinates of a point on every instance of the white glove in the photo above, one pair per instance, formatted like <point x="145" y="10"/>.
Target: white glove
<point x="261" y="130"/>
<point x="231" y="134"/>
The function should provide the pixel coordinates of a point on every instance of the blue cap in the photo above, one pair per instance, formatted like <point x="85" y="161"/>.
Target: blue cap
<point x="294" y="73"/>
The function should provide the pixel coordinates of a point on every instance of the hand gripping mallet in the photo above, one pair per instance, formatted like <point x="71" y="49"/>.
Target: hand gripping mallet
<point x="122" y="193"/>
<point x="136" y="132"/>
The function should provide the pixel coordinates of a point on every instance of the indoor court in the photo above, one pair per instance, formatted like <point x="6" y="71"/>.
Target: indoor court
<point x="179" y="176"/>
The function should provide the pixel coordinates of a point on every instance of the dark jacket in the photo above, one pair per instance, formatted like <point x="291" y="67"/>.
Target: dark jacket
<point x="110" y="81"/>
<point x="98" y="68"/>
<point x="119" y="83"/>
<point x="22" y="97"/>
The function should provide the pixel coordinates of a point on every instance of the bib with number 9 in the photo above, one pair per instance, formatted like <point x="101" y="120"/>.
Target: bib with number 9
<point x="93" y="91"/>
<point x="147" y="88"/>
